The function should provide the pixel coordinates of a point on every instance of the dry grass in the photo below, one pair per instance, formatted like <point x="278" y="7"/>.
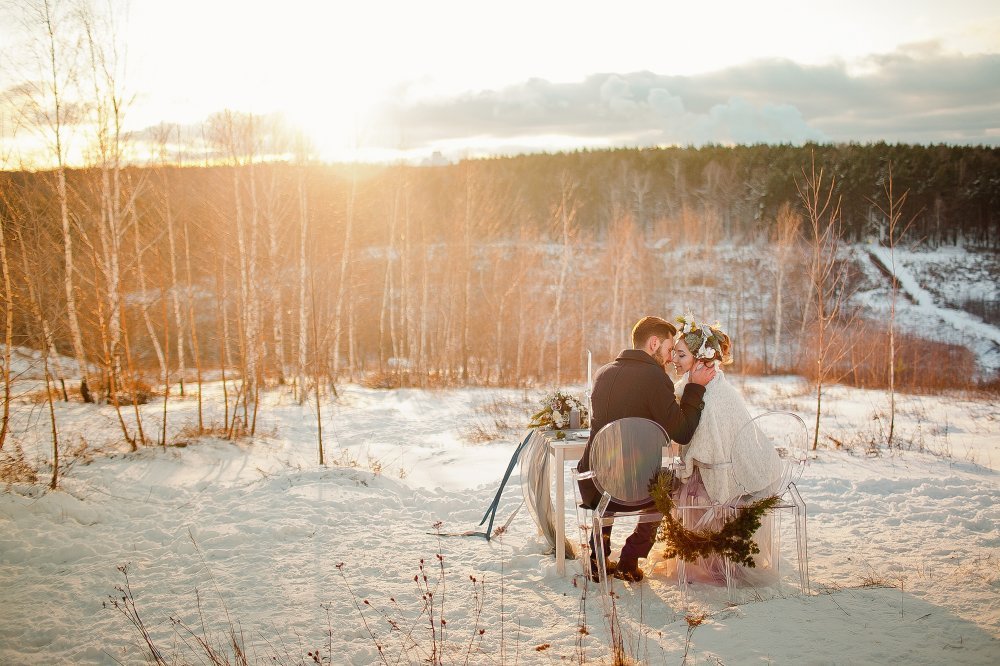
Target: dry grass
<point x="500" y="418"/>
<point x="922" y="366"/>
<point x="14" y="468"/>
<point x="190" y="432"/>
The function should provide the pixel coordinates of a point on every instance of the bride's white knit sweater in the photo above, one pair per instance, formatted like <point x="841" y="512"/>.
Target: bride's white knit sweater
<point x="714" y="440"/>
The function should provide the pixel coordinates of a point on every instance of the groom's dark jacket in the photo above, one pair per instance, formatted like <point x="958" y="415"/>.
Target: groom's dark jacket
<point x="635" y="385"/>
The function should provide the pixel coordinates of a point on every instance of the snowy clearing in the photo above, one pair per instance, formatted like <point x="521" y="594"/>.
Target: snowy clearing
<point x="904" y="545"/>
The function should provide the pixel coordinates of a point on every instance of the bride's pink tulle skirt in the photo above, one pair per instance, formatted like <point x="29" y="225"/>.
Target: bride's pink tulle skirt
<point x="696" y="509"/>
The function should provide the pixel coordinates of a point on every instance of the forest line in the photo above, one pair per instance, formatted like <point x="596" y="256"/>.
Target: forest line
<point x="501" y="271"/>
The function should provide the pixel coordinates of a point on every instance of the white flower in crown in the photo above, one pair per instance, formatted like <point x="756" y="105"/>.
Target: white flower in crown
<point x="709" y="352"/>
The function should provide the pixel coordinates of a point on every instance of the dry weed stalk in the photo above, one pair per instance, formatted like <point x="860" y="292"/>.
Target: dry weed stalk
<point x="403" y="639"/>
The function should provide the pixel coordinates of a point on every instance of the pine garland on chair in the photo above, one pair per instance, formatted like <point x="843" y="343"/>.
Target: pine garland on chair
<point x="733" y="541"/>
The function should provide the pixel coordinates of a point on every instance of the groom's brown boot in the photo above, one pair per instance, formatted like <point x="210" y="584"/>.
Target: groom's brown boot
<point x="595" y="569"/>
<point x="629" y="571"/>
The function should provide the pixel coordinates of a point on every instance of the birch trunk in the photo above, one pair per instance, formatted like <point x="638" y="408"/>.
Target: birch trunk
<point x="566" y="216"/>
<point x="244" y="300"/>
<point x="54" y="59"/>
<point x="788" y="226"/>
<point x="111" y="378"/>
<point x="345" y="263"/>
<point x="823" y="217"/>
<point x="109" y="107"/>
<point x="8" y="336"/>
<point x="303" y="274"/>
<point x="469" y="267"/>
<point x="276" y="301"/>
<point x="386" y="319"/>
<point x="54" y="483"/>
<point x="405" y="295"/>
<point x="194" y="324"/>
<point x="174" y="285"/>
<point x="893" y="215"/>
<point x="254" y="337"/>
<point x="144" y="300"/>
<point x="34" y="299"/>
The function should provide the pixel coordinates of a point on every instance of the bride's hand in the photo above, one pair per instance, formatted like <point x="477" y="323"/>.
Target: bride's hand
<point x="702" y="374"/>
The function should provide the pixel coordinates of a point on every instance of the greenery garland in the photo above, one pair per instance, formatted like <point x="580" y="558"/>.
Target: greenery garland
<point x="733" y="541"/>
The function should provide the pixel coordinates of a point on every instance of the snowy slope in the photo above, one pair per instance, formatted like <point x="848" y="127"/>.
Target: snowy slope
<point x="918" y="310"/>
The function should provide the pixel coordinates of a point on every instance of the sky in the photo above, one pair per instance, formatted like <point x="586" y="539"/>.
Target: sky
<point x="384" y="79"/>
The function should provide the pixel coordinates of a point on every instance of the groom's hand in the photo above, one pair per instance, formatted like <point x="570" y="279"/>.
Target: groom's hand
<point x="702" y="374"/>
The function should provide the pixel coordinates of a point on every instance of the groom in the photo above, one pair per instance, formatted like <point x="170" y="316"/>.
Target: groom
<point x="636" y="384"/>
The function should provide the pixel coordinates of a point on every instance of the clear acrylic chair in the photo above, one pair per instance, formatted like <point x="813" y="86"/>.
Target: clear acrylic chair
<point x="788" y="435"/>
<point x="625" y="456"/>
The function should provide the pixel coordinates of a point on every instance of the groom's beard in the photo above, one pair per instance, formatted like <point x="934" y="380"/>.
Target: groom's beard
<point x="661" y="360"/>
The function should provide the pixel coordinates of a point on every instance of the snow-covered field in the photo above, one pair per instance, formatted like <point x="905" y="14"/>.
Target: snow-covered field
<point x="255" y="535"/>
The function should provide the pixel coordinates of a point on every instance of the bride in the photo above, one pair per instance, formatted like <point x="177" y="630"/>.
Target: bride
<point x="715" y="472"/>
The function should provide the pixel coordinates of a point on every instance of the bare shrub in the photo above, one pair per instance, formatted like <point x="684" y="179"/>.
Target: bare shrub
<point x="14" y="468"/>
<point x="190" y="433"/>
<point x="381" y="380"/>
<point x="920" y="365"/>
<point x="500" y="418"/>
<point x="873" y="578"/>
<point x="139" y="393"/>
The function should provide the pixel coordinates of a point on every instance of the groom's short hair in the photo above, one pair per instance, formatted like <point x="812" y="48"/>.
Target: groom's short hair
<point x="649" y="326"/>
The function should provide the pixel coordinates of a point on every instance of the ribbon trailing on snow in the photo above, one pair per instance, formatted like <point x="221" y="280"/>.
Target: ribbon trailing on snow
<point x="491" y="512"/>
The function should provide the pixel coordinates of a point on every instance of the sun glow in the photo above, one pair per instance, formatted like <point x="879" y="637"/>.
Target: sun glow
<point x="330" y="69"/>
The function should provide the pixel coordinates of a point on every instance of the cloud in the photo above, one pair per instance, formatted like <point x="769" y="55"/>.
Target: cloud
<point x="917" y="94"/>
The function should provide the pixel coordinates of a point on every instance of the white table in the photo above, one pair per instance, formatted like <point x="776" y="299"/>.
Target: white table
<point x="562" y="451"/>
<point x="570" y="448"/>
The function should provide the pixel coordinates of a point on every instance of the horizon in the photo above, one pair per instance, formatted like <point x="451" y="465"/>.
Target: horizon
<point x="438" y="159"/>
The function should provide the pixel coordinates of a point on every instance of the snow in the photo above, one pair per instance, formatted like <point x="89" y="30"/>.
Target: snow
<point x="904" y="545"/>
<point x="956" y="275"/>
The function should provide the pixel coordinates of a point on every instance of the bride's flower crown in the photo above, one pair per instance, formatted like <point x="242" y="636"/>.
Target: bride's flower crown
<point x="702" y="338"/>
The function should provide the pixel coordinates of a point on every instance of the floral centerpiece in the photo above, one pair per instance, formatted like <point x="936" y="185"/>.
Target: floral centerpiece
<point x="555" y="413"/>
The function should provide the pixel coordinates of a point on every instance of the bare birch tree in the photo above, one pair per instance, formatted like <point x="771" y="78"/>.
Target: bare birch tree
<point x="564" y="219"/>
<point x="170" y="224"/>
<point x="345" y="265"/>
<point x="50" y="113"/>
<point x="117" y="202"/>
<point x="786" y="234"/>
<point x="274" y="213"/>
<point x="144" y="297"/>
<point x="195" y="351"/>
<point x="303" y="311"/>
<point x="386" y="317"/>
<point x="112" y="379"/>
<point x="8" y="310"/>
<point x="237" y="135"/>
<point x="47" y="345"/>
<point x="622" y="264"/>
<point x="827" y="275"/>
<point x="892" y="213"/>
<point x="8" y="340"/>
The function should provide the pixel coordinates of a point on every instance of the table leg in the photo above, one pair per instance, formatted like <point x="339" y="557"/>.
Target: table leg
<point x="560" y="516"/>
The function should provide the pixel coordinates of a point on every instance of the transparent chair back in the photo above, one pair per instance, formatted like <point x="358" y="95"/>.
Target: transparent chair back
<point x="783" y="432"/>
<point x="625" y="456"/>
<point x="787" y="434"/>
